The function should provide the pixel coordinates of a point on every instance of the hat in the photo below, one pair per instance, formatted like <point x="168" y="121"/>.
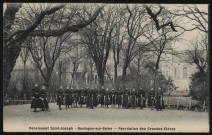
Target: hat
<point x="126" y="88"/>
<point x="106" y="89"/>
<point x="151" y="88"/>
<point x="140" y="87"/>
<point x="71" y="88"/>
<point x="61" y="87"/>
<point x="43" y="87"/>
<point x="67" y="87"/>
<point x="112" y="89"/>
<point x="102" y="87"/>
<point x="133" y="89"/>
<point x="159" y="88"/>
<point x="36" y="85"/>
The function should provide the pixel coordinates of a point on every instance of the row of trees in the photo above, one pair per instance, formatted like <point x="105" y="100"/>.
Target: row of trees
<point x="127" y="31"/>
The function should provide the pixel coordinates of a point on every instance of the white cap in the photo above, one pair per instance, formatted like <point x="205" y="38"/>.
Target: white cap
<point x="36" y="85"/>
<point x="43" y="87"/>
<point x="61" y="87"/>
<point x="67" y="87"/>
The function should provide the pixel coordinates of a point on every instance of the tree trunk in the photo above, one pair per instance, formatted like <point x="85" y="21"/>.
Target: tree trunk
<point x="24" y="79"/>
<point x="60" y="72"/>
<point x="47" y="90"/>
<point x="124" y="73"/>
<point x="116" y="74"/>
<point x="9" y="59"/>
<point x="100" y="73"/>
<point x="156" y="72"/>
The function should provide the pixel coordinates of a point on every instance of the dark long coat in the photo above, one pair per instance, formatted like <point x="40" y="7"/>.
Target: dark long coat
<point x="60" y="97"/>
<point x="36" y="101"/>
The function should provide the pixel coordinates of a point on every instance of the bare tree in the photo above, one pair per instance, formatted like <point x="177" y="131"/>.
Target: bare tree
<point x="137" y="25"/>
<point x="197" y="18"/>
<point x="98" y="37"/>
<point x="198" y="53"/>
<point x="13" y="38"/>
<point x="117" y="41"/>
<point x="24" y="54"/>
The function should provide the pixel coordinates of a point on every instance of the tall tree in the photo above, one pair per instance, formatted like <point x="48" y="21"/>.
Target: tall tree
<point x="117" y="41"/>
<point x="137" y="26"/>
<point x="13" y="37"/>
<point x="98" y="37"/>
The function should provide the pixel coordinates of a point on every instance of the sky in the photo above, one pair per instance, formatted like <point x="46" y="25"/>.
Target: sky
<point x="184" y="43"/>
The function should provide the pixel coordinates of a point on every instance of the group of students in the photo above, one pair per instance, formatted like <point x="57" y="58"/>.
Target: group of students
<point x="39" y="98"/>
<point x="93" y="97"/>
<point x="123" y="99"/>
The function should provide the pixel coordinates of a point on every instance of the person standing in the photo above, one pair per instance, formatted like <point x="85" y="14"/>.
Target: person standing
<point x="102" y="93"/>
<point x="133" y="99"/>
<point x="141" y="98"/>
<point x="159" y="99"/>
<point x="119" y="98"/>
<point x="126" y="99"/>
<point x="45" y="105"/>
<point x="107" y="98"/>
<point x="67" y="97"/>
<point x="60" y="97"/>
<point x="152" y="98"/>
<point x="76" y="96"/>
<point x="36" y="101"/>
<point x="113" y="98"/>
<point x="91" y="97"/>
<point x="81" y="96"/>
<point x="95" y="97"/>
<point x="87" y="97"/>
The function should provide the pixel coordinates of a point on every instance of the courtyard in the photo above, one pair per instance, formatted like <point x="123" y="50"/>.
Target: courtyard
<point x="20" y="118"/>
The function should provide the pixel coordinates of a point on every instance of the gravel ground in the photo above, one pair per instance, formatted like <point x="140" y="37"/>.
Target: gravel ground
<point x="20" y="118"/>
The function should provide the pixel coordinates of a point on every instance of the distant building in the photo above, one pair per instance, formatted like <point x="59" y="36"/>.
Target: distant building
<point x="174" y="66"/>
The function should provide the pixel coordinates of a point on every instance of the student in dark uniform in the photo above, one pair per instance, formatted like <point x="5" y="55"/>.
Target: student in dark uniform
<point x="60" y="97"/>
<point x="159" y="99"/>
<point x="45" y="105"/>
<point x="81" y="95"/>
<point x="91" y="97"/>
<point x="87" y="97"/>
<point x="76" y="96"/>
<point x="67" y="97"/>
<point x="72" y="96"/>
<point x="113" y="98"/>
<point x="102" y="93"/>
<point x="84" y="96"/>
<point x="106" y="98"/>
<point x="95" y="97"/>
<point x="36" y="101"/>
<point x="126" y="99"/>
<point x="119" y="98"/>
<point x="133" y="98"/>
<point x="141" y="98"/>
<point x="152" y="98"/>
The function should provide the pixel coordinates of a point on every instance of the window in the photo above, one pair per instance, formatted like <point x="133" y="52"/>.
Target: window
<point x="185" y="72"/>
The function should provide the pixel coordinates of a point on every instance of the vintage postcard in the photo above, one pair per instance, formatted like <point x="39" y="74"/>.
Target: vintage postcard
<point x="101" y="67"/>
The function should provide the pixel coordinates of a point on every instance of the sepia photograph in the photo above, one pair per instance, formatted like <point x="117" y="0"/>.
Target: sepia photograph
<point x="105" y="67"/>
